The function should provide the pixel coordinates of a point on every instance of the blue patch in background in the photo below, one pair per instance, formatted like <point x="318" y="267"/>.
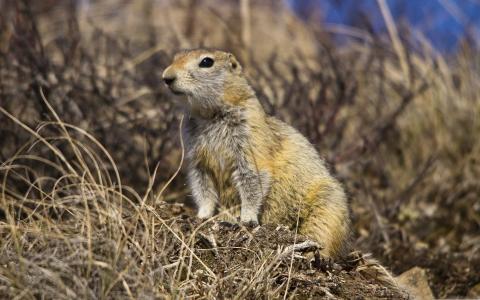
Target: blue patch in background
<point x="443" y="22"/>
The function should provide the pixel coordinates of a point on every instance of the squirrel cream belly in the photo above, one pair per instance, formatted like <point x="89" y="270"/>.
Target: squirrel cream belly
<point x="239" y="156"/>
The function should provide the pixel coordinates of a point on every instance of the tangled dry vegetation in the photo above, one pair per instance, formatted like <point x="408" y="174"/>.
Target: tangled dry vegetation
<point x="89" y="141"/>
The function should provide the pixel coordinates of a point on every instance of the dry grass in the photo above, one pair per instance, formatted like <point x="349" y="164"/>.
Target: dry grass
<point x="81" y="235"/>
<point x="89" y="139"/>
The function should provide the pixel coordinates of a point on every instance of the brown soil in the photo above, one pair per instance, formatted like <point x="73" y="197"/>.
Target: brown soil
<point x="229" y="248"/>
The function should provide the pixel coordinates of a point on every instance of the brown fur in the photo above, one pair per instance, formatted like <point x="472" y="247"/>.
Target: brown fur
<point x="239" y="155"/>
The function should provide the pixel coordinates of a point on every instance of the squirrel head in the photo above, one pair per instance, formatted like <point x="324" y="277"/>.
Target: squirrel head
<point x="209" y="78"/>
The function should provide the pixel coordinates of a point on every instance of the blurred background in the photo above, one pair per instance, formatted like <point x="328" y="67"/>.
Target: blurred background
<point x="444" y="23"/>
<point x="387" y="91"/>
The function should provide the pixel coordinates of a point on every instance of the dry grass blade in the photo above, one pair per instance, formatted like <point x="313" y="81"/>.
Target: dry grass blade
<point x="397" y="43"/>
<point x="291" y="259"/>
<point x="180" y="164"/>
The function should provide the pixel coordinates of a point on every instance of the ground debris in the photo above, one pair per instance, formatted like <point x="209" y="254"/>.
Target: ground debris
<point x="278" y="257"/>
<point x="415" y="281"/>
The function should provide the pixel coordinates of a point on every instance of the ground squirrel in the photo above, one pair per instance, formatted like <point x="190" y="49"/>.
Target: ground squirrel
<point x="238" y="155"/>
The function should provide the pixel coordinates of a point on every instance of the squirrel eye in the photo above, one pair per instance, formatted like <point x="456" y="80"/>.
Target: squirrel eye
<point x="207" y="62"/>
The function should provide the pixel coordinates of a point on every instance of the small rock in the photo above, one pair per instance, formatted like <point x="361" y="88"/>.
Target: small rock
<point x="474" y="292"/>
<point x="416" y="283"/>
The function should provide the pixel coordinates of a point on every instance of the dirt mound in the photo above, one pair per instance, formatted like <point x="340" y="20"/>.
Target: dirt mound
<point x="180" y="256"/>
<point x="270" y="260"/>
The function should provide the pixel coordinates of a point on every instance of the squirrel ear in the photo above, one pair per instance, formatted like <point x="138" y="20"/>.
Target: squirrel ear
<point x="234" y="65"/>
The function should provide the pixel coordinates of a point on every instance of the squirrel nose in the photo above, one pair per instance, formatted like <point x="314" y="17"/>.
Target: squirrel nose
<point x="169" y="80"/>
